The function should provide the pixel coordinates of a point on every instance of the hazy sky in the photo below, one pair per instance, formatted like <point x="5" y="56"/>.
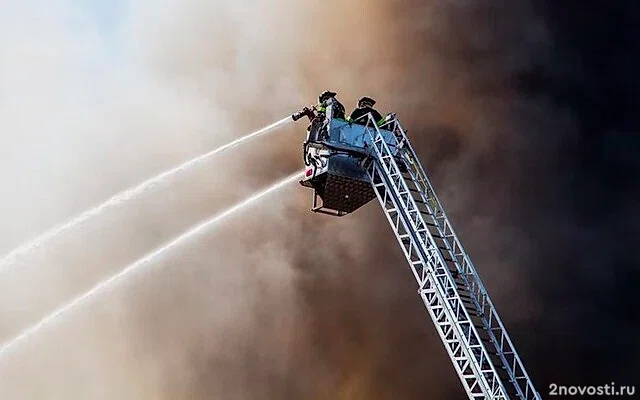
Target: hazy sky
<point x="106" y="13"/>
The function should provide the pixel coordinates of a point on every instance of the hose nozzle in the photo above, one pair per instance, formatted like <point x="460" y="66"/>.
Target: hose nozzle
<point x="304" y="112"/>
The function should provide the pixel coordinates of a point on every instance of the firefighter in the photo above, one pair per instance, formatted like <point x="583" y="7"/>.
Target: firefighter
<point x="365" y="106"/>
<point x="317" y="115"/>
<point x="325" y="99"/>
<point x="318" y="129"/>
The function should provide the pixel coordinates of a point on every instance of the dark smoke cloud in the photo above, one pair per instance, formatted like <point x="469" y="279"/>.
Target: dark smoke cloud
<point x="538" y="164"/>
<point x="592" y="267"/>
<point x="524" y="115"/>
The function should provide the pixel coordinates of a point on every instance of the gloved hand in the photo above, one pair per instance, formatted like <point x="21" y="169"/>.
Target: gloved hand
<point x="305" y="111"/>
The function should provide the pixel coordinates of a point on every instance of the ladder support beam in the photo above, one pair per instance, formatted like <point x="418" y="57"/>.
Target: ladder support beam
<point x="475" y="338"/>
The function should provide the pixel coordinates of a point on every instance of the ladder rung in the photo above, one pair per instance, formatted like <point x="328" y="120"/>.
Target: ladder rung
<point x="430" y="224"/>
<point x="460" y="284"/>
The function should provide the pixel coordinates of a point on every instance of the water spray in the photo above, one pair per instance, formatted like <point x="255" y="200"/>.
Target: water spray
<point x="142" y="262"/>
<point x="28" y="247"/>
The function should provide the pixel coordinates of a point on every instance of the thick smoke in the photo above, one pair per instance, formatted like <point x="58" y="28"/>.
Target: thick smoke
<point x="521" y="114"/>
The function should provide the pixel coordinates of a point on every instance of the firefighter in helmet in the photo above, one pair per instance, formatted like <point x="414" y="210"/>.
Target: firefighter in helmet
<point x="317" y="114"/>
<point x="318" y="129"/>
<point x="327" y="98"/>
<point x="365" y="106"/>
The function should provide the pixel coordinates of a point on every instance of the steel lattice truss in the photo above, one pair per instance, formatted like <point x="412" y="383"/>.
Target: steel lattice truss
<point x="468" y="324"/>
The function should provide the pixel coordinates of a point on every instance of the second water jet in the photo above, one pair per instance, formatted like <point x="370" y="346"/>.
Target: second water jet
<point x="142" y="262"/>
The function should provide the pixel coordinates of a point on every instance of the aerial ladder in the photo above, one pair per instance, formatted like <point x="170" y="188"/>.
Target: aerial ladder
<point x="348" y="164"/>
